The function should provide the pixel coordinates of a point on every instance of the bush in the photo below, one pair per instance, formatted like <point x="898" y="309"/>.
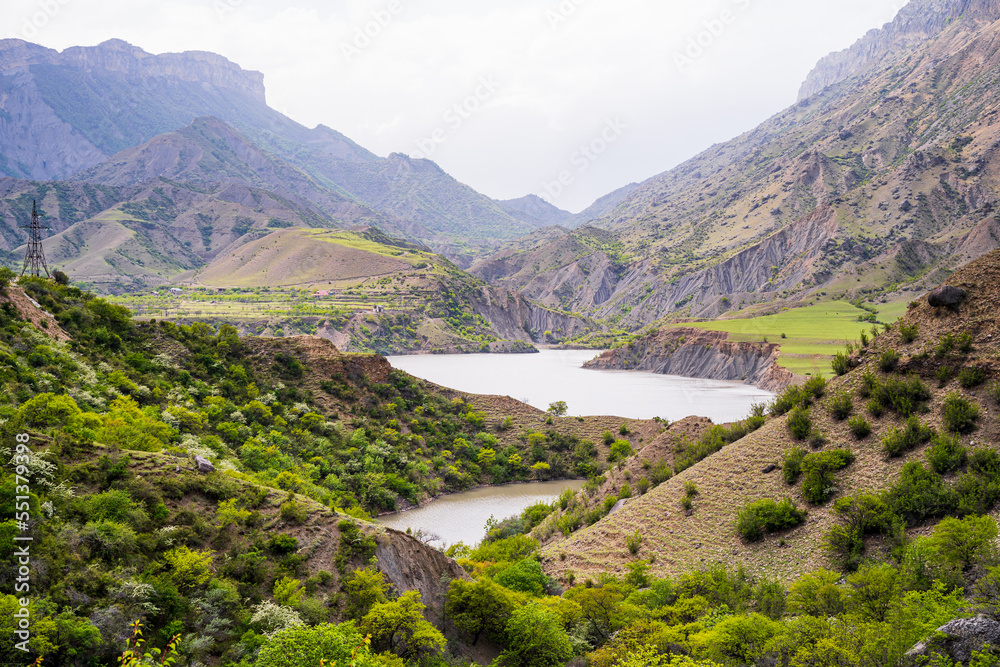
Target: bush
<point x="900" y="441"/>
<point x="860" y="428"/>
<point x="960" y="414"/>
<point x="818" y="469"/>
<point x="868" y="384"/>
<point x="944" y="375"/>
<point x="634" y="542"/>
<point x="947" y="454"/>
<point x="969" y="378"/>
<point x="791" y="466"/>
<point x="799" y="424"/>
<point x="841" y="406"/>
<point x="908" y="332"/>
<point x="902" y="396"/>
<point x="888" y="361"/>
<point x="841" y="363"/>
<point x="993" y="391"/>
<point x="814" y="387"/>
<point x="757" y="519"/>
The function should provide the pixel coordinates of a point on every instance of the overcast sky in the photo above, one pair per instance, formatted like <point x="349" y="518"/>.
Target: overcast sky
<point x="503" y="95"/>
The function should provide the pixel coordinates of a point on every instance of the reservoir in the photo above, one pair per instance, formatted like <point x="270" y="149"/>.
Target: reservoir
<point x="462" y="517"/>
<point x="558" y="375"/>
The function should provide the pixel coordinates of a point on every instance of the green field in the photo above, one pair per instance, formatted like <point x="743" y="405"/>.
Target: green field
<point x="809" y="337"/>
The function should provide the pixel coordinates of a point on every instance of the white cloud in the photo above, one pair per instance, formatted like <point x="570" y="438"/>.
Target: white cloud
<point x="557" y="85"/>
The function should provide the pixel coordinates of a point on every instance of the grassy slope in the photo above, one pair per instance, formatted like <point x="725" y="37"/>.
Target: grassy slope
<point x="729" y="479"/>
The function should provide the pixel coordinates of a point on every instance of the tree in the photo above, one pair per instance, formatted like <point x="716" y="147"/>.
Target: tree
<point x="873" y="590"/>
<point x="6" y="277"/>
<point x="558" y="409"/>
<point x="399" y="626"/>
<point x="60" y="278"/>
<point x="816" y="594"/>
<point x="301" y="645"/>
<point x="364" y="588"/>
<point x="965" y="543"/>
<point x="620" y="450"/>
<point x="482" y="606"/>
<point x="525" y="576"/>
<point x="535" y="638"/>
<point x="601" y="606"/>
<point x="741" y="639"/>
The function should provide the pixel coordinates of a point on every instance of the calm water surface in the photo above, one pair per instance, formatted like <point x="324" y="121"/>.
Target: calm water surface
<point x="557" y="375"/>
<point x="462" y="517"/>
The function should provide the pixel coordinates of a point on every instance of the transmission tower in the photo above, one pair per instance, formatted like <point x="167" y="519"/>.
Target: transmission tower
<point x="34" y="256"/>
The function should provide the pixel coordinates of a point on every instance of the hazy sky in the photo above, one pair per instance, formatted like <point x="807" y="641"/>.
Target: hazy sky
<point x="503" y="95"/>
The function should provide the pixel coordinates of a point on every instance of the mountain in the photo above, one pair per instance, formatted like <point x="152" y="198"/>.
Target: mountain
<point x="65" y="113"/>
<point x="603" y="206"/>
<point x="890" y="178"/>
<point x="940" y="359"/>
<point x="535" y="210"/>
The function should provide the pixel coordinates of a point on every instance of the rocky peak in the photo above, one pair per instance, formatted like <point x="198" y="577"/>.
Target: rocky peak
<point x="915" y="23"/>
<point x="121" y="57"/>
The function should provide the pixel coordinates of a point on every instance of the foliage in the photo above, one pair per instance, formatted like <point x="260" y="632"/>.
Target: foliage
<point x="947" y="454"/>
<point x="558" y="409"/>
<point x="133" y="655"/>
<point x="791" y="466"/>
<point x="841" y="406"/>
<point x="888" y="361"/>
<point x="535" y="638"/>
<point x="899" y="441"/>
<point x="859" y="426"/>
<point x="799" y="423"/>
<point x="818" y="468"/>
<point x="756" y="519"/>
<point x="399" y="626"/>
<point x="960" y="414"/>
<point x="302" y="645"/>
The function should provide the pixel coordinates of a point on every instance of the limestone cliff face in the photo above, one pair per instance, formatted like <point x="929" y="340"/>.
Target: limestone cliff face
<point x="917" y="22"/>
<point x="699" y="354"/>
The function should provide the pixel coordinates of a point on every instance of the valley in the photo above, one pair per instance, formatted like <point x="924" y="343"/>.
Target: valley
<point x="743" y="413"/>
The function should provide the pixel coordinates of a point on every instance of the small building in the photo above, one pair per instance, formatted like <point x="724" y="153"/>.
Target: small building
<point x="321" y="293"/>
<point x="176" y="290"/>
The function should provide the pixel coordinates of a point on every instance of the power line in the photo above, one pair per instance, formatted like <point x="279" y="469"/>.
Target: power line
<point x="34" y="256"/>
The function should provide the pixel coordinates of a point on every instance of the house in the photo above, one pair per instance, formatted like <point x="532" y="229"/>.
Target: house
<point x="321" y="292"/>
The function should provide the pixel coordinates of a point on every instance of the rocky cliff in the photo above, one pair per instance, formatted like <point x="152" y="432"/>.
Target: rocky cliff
<point x="699" y="354"/>
<point x="117" y="56"/>
<point x="917" y="22"/>
<point x="514" y="317"/>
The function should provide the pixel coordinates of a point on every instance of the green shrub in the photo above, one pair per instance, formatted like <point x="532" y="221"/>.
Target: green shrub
<point x="875" y="408"/>
<point x="634" y="542"/>
<point x="765" y="516"/>
<point x="908" y="332"/>
<point x="888" y="361"/>
<point x="815" y="387"/>
<point x="900" y="441"/>
<point x="903" y="397"/>
<point x="944" y="375"/>
<point x="860" y="428"/>
<point x="799" y="423"/>
<point x="841" y="363"/>
<point x="947" y="454"/>
<point x="960" y="414"/>
<point x="841" y="406"/>
<point x="969" y="378"/>
<point x="791" y="465"/>
<point x="945" y="345"/>
<point x="869" y="382"/>
<point x="964" y="343"/>
<point x="993" y="391"/>
<point x="818" y="469"/>
<point x="690" y="489"/>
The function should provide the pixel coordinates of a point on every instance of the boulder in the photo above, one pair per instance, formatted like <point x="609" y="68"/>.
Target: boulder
<point x="947" y="296"/>
<point x="769" y="469"/>
<point x="203" y="464"/>
<point x="620" y="504"/>
<point x="959" y="639"/>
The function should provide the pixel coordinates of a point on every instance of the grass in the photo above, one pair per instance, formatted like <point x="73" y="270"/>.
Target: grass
<point x="813" y="334"/>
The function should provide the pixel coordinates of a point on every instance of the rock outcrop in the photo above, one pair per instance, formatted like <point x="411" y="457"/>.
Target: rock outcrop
<point x="959" y="639"/>
<point x="916" y="22"/>
<point x="699" y="354"/>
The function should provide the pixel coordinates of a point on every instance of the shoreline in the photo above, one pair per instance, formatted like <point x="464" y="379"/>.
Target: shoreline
<point x="475" y="488"/>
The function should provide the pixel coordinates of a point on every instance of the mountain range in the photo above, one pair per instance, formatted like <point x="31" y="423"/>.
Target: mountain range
<point x="881" y="178"/>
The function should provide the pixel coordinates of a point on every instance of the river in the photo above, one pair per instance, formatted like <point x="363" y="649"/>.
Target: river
<point x="558" y="375"/>
<point x="462" y="517"/>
